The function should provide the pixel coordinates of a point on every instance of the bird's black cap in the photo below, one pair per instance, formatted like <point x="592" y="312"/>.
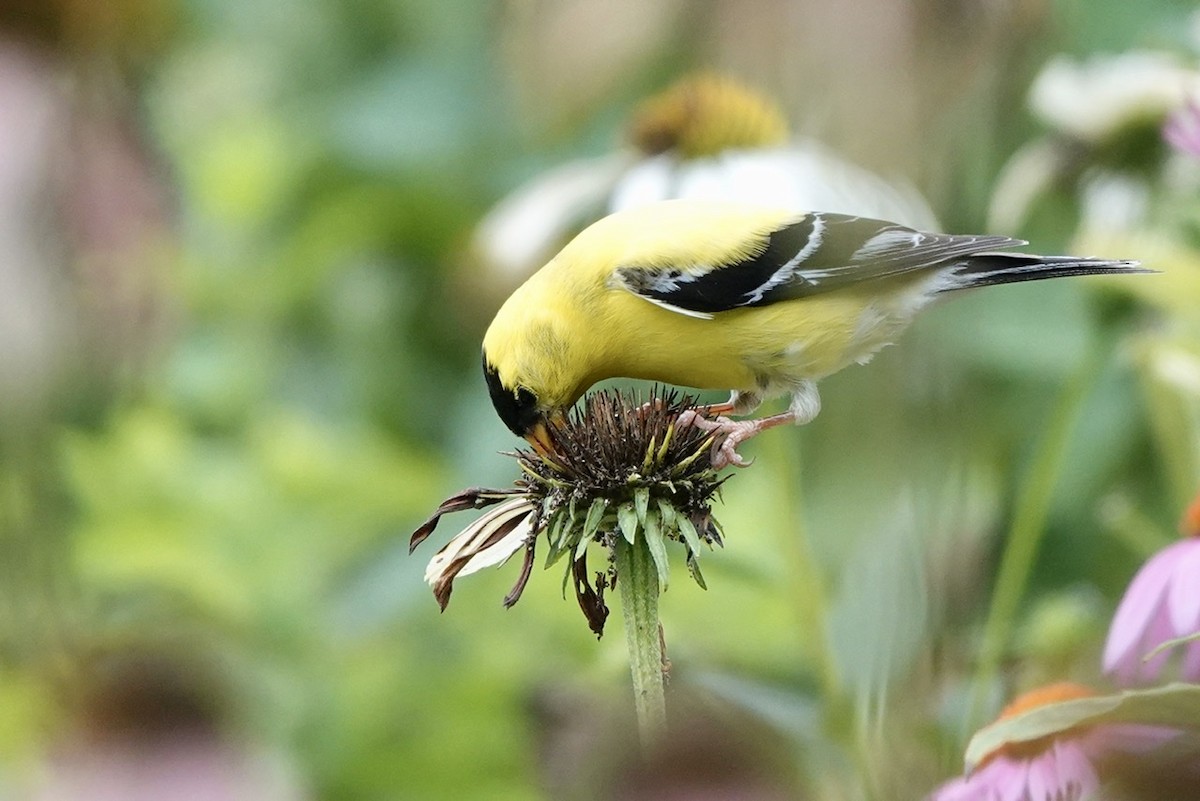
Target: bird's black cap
<point x="517" y="407"/>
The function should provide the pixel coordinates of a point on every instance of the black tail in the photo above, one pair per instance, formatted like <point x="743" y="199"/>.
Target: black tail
<point x="986" y="269"/>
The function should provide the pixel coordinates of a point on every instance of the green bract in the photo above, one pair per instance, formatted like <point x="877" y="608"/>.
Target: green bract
<point x="621" y="468"/>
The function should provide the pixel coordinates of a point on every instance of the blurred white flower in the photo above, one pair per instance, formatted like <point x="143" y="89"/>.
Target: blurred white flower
<point x="1113" y="201"/>
<point x="803" y="175"/>
<point x="1028" y="174"/>
<point x="704" y="137"/>
<point x="526" y="228"/>
<point x="1178" y="367"/>
<point x="1106" y="142"/>
<point x="1094" y="99"/>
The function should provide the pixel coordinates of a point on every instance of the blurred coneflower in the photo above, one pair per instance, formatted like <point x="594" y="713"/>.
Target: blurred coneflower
<point x="1061" y="767"/>
<point x="707" y="136"/>
<point x="1104" y="142"/>
<point x="1162" y="604"/>
<point x="624" y="472"/>
<point x="703" y="115"/>
<point x="712" y="138"/>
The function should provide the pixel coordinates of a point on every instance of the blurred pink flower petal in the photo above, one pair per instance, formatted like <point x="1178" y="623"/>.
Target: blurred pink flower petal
<point x="1136" y="610"/>
<point x="1182" y="129"/>
<point x="1128" y="738"/>
<point x="1062" y="772"/>
<point x="1191" y="662"/>
<point x="1161" y="604"/>
<point x="1057" y="768"/>
<point x="1184" y="596"/>
<point x="1042" y="779"/>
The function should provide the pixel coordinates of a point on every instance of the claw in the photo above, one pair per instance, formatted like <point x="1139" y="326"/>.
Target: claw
<point x="652" y="405"/>
<point x="728" y="455"/>
<point x="736" y="432"/>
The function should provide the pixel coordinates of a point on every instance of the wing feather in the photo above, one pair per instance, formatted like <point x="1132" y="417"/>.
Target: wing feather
<point x="815" y="253"/>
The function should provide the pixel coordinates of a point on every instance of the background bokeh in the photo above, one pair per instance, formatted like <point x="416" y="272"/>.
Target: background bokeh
<point x="241" y="296"/>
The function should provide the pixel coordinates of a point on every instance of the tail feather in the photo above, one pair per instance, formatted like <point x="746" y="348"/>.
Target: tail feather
<point x="986" y="269"/>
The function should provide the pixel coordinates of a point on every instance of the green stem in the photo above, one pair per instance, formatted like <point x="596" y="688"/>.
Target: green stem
<point x="638" y="580"/>
<point x="1029" y="523"/>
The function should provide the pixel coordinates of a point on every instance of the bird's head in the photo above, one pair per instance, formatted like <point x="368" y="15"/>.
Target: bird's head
<point x="521" y="409"/>
<point x="540" y="354"/>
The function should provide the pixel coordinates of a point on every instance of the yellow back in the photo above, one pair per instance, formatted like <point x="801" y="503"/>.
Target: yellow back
<point x="569" y="325"/>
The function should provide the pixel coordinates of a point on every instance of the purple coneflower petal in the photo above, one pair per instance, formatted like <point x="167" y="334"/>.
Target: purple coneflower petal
<point x="1124" y="672"/>
<point x="1062" y="772"/>
<point x="1011" y="780"/>
<point x="1075" y="772"/>
<point x="994" y="781"/>
<point x="1158" y="632"/>
<point x="1058" y="768"/>
<point x="1137" y="609"/>
<point x="1042" y="780"/>
<point x="959" y="789"/>
<point x="1190" y="671"/>
<point x="1128" y="738"/>
<point x="1184" y="598"/>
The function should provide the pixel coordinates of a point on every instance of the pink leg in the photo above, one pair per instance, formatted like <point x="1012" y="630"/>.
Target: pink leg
<point x="736" y="432"/>
<point x="719" y="408"/>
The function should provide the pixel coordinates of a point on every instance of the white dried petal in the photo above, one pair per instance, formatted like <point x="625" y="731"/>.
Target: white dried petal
<point x="501" y="550"/>
<point x="470" y="541"/>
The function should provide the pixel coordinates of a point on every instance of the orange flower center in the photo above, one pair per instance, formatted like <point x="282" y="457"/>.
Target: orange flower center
<point x="1189" y="526"/>
<point x="1050" y="694"/>
<point x="705" y="114"/>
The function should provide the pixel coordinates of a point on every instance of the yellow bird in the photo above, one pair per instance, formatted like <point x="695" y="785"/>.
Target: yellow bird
<point x="717" y="295"/>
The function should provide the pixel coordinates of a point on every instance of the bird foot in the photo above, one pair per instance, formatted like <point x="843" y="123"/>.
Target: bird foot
<point x="652" y="405"/>
<point x="699" y="413"/>
<point x="735" y="432"/>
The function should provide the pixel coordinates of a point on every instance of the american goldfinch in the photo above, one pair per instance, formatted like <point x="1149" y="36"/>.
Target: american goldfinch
<point x="719" y="295"/>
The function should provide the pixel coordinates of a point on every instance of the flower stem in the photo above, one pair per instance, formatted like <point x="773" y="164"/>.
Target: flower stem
<point x="638" y="580"/>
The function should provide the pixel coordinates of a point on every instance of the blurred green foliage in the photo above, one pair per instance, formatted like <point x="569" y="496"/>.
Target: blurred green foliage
<point x="242" y="499"/>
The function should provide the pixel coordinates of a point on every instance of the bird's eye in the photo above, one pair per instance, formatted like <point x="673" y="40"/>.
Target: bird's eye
<point x="516" y="407"/>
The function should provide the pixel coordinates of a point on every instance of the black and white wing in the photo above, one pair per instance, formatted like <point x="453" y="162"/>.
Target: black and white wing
<point x="816" y="253"/>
